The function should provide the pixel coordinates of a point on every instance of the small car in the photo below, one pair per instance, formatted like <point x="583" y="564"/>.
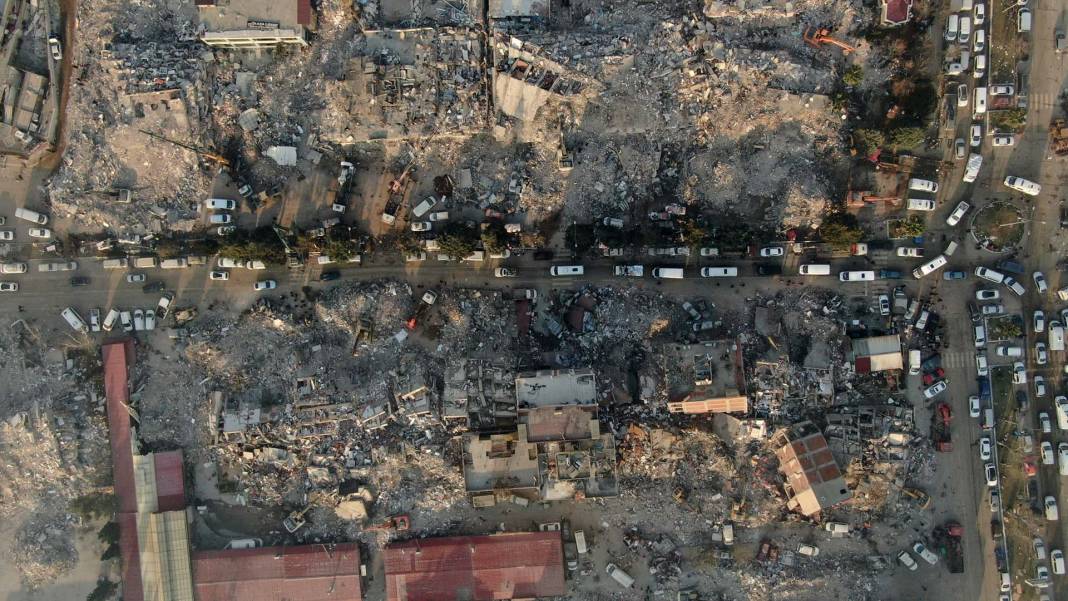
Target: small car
<point x="962" y="94"/>
<point x="220" y="218"/>
<point x="225" y="230"/>
<point x="1019" y="373"/>
<point x="1040" y="386"/>
<point x="225" y="262"/>
<point x="79" y="281"/>
<point x="55" y="49"/>
<point x="958" y="213"/>
<point x="1056" y="561"/>
<point x="1039" y="546"/>
<point x="1046" y="450"/>
<point x="984" y="449"/>
<point x="438" y="216"/>
<point x="135" y="278"/>
<point x="7" y="235"/>
<point x="994" y="309"/>
<point x="224" y="204"/>
<point x="979" y="14"/>
<point x="1041" y="356"/>
<point x="1044" y="422"/>
<point x="1013" y="285"/>
<point x="907" y="561"/>
<point x="985" y="294"/>
<point x="94" y="319"/>
<point x="974" y="406"/>
<point x="884" y="305"/>
<point x="430" y="297"/>
<point x="1038" y="321"/>
<point x="245" y="191"/>
<point x="219" y="275"/>
<point x="14" y="267"/>
<point x="504" y="272"/>
<point x="976" y="135"/>
<point x="127" y="322"/>
<point x="150" y="320"/>
<point x="990" y="471"/>
<point x="925" y="553"/>
<point x="139" y="320"/>
<point x="415" y="256"/>
<point x="421" y="209"/>
<point x="1002" y="90"/>
<point x="1004" y="140"/>
<point x="329" y="276"/>
<point x="265" y="285"/>
<point x="954" y="275"/>
<point x="772" y="251"/>
<point x="908" y="251"/>
<point x="960" y="149"/>
<point x="255" y="265"/>
<point x="709" y="252"/>
<point x="421" y="226"/>
<point x="9" y="287"/>
<point x="935" y="390"/>
<point x="40" y="232"/>
<point x="1040" y="282"/>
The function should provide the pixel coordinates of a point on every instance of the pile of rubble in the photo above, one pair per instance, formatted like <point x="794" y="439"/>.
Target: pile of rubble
<point x="44" y="549"/>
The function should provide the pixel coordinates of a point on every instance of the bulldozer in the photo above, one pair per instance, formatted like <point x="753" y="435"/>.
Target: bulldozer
<point x="817" y="37"/>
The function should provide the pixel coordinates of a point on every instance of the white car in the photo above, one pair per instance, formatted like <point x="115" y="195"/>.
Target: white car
<point x="219" y="275"/>
<point x="884" y="304"/>
<point x="1013" y="285"/>
<point x="1056" y="561"/>
<point x="976" y="138"/>
<point x="958" y="213"/>
<point x="1002" y="90"/>
<point x="984" y="449"/>
<point x="438" y="216"/>
<point x="504" y="272"/>
<point x="127" y="322"/>
<point x="994" y="309"/>
<point x="962" y="95"/>
<point x="925" y="553"/>
<point x="9" y="287"/>
<point x="265" y="285"/>
<point x="1040" y="282"/>
<point x="1004" y="140"/>
<point x="40" y="232"/>
<point x="134" y="278"/>
<point x="936" y="389"/>
<point x="139" y="320"/>
<point x="1062" y="458"/>
<point x="150" y="320"/>
<point x="1047" y="452"/>
<point x="974" y="406"/>
<point x="910" y="251"/>
<point x="982" y="368"/>
<point x="1044" y="422"/>
<point x="979" y="14"/>
<point x="94" y="319"/>
<point x="772" y="251"/>
<point x="990" y="472"/>
<point x="1022" y="185"/>
<point x="225" y="262"/>
<point x="225" y="230"/>
<point x="415" y="256"/>
<point x="960" y="148"/>
<point x="709" y="252"/>
<point x="1019" y="373"/>
<point x="421" y="226"/>
<point x="1041" y="356"/>
<point x="1039" y="322"/>
<point x="55" y="48"/>
<point x="907" y="561"/>
<point x="1040" y="386"/>
<point x="985" y="294"/>
<point x="255" y="265"/>
<point x="220" y="218"/>
<point x="856" y="276"/>
<point x="1050" y="504"/>
<point x="14" y="268"/>
<point x="7" y="236"/>
<point x="220" y="203"/>
<point x="422" y="208"/>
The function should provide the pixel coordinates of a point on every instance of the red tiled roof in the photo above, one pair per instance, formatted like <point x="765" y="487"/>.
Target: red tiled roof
<point x="116" y="388"/>
<point x="132" y="589"/>
<point x="304" y="12"/>
<point x="170" y="481"/>
<point x="896" y="11"/>
<point x="306" y="573"/>
<point x="475" y="568"/>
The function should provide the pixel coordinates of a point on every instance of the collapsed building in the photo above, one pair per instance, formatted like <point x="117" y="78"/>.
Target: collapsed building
<point x="158" y="563"/>
<point x="814" y="482"/>
<point x="238" y="24"/>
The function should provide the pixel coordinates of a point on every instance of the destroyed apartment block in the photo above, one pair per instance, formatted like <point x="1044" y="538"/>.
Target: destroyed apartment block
<point x="412" y="82"/>
<point x="524" y="11"/>
<point x="813" y="481"/>
<point x="883" y="430"/>
<point x="557" y="451"/>
<point x="524" y="79"/>
<point x="238" y="24"/>
<point x="412" y="393"/>
<point x="153" y="66"/>
<point x="718" y="379"/>
<point x="27" y="113"/>
<point x="158" y="562"/>
<point x="782" y="391"/>
<point x="481" y="392"/>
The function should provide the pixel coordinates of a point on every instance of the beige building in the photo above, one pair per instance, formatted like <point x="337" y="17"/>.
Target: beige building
<point x="255" y="23"/>
<point x="813" y="480"/>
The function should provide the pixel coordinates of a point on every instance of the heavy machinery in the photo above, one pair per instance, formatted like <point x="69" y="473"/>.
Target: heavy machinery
<point x="295" y="520"/>
<point x="921" y="498"/>
<point x="203" y="152"/>
<point x="397" y="523"/>
<point x="818" y="37"/>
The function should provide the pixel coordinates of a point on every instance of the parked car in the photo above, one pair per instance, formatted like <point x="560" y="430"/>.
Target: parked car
<point x="772" y="251"/>
<point x="976" y="138"/>
<point x="1038" y="321"/>
<point x="925" y="553"/>
<point x="1019" y="373"/>
<point x="504" y="272"/>
<point x="907" y="561"/>
<point x="1040" y="386"/>
<point x="984" y="449"/>
<point x="935" y="390"/>
<point x="954" y="275"/>
<point x="219" y="275"/>
<point x="1041" y="356"/>
<point x="990" y="471"/>
<point x="1040" y="282"/>
<point x="329" y="276"/>
<point x="986" y="294"/>
<point x="135" y="278"/>
<point x="908" y="251"/>
<point x="265" y="285"/>
<point x="1004" y="140"/>
<point x="974" y="406"/>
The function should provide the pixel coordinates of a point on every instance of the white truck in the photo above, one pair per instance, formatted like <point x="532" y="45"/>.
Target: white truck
<point x="971" y="170"/>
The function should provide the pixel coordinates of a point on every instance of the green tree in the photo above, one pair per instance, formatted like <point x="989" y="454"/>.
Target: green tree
<point x="337" y="249"/>
<point x="904" y="138"/>
<point x="1010" y="120"/>
<point x="908" y="228"/>
<point x="458" y="240"/>
<point x="494" y="238"/>
<point x="853" y="76"/>
<point x="261" y="244"/>
<point x="868" y="141"/>
<point x="111" y="552"/>
<point x="841" y="229"/>
<point x="109" y="533"/>
<point x="105" y="589"/>
<point x="693" y="235"/>
<point x="580" y="237"/>
<point x="169" y="248"/>
<point x="94" y="505"/>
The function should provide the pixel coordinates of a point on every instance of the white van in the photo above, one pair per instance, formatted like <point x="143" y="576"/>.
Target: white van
<point x="856" y="276"/>
<point x="580" y="542"/>
<point x="179" y="263"/>
<point x="965" y="30"/>
<point x="930" y="267"/>
<point x="116" y="263"/>
<point x="1023" y="185"/>
<point x="718" y="272"/>
<point x="668" y="273"/>
<point x="979" y="107"/>
<point x="619" y="575"/>
<point x="31" y="216"/>
<point x="914" y="361"/>
<point x="74" y="320"/>
<point x="952" y="27"/>
<point x="1023" y="20"/>
<point x="814" y="269"/>
<point x="971" y="170"/>
<point x="562" y="270"/>
<point x="143" y="262"/>
<point x="980" y="336"/>
<point x="980" y="66"/>
<point x="1060" y="404"/>
<point x="921" y="204"/>
<point x="110" y="319"/>
<point x="923" y="185"/>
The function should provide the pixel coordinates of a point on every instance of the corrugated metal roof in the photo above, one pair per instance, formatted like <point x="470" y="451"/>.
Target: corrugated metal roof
<point x="116" y="388"/>
<point x="304" y="12"/>
<point x="306" y="573"/>
<point x="170" y="481"/>
<point x="474" y="568"/>
<point x="131" y="558"/>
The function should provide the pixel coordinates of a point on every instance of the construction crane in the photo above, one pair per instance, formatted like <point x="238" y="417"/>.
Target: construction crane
<point x="818" y="37"/>
<point x="396" y="185"/>
<point x="204" y="152"/>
